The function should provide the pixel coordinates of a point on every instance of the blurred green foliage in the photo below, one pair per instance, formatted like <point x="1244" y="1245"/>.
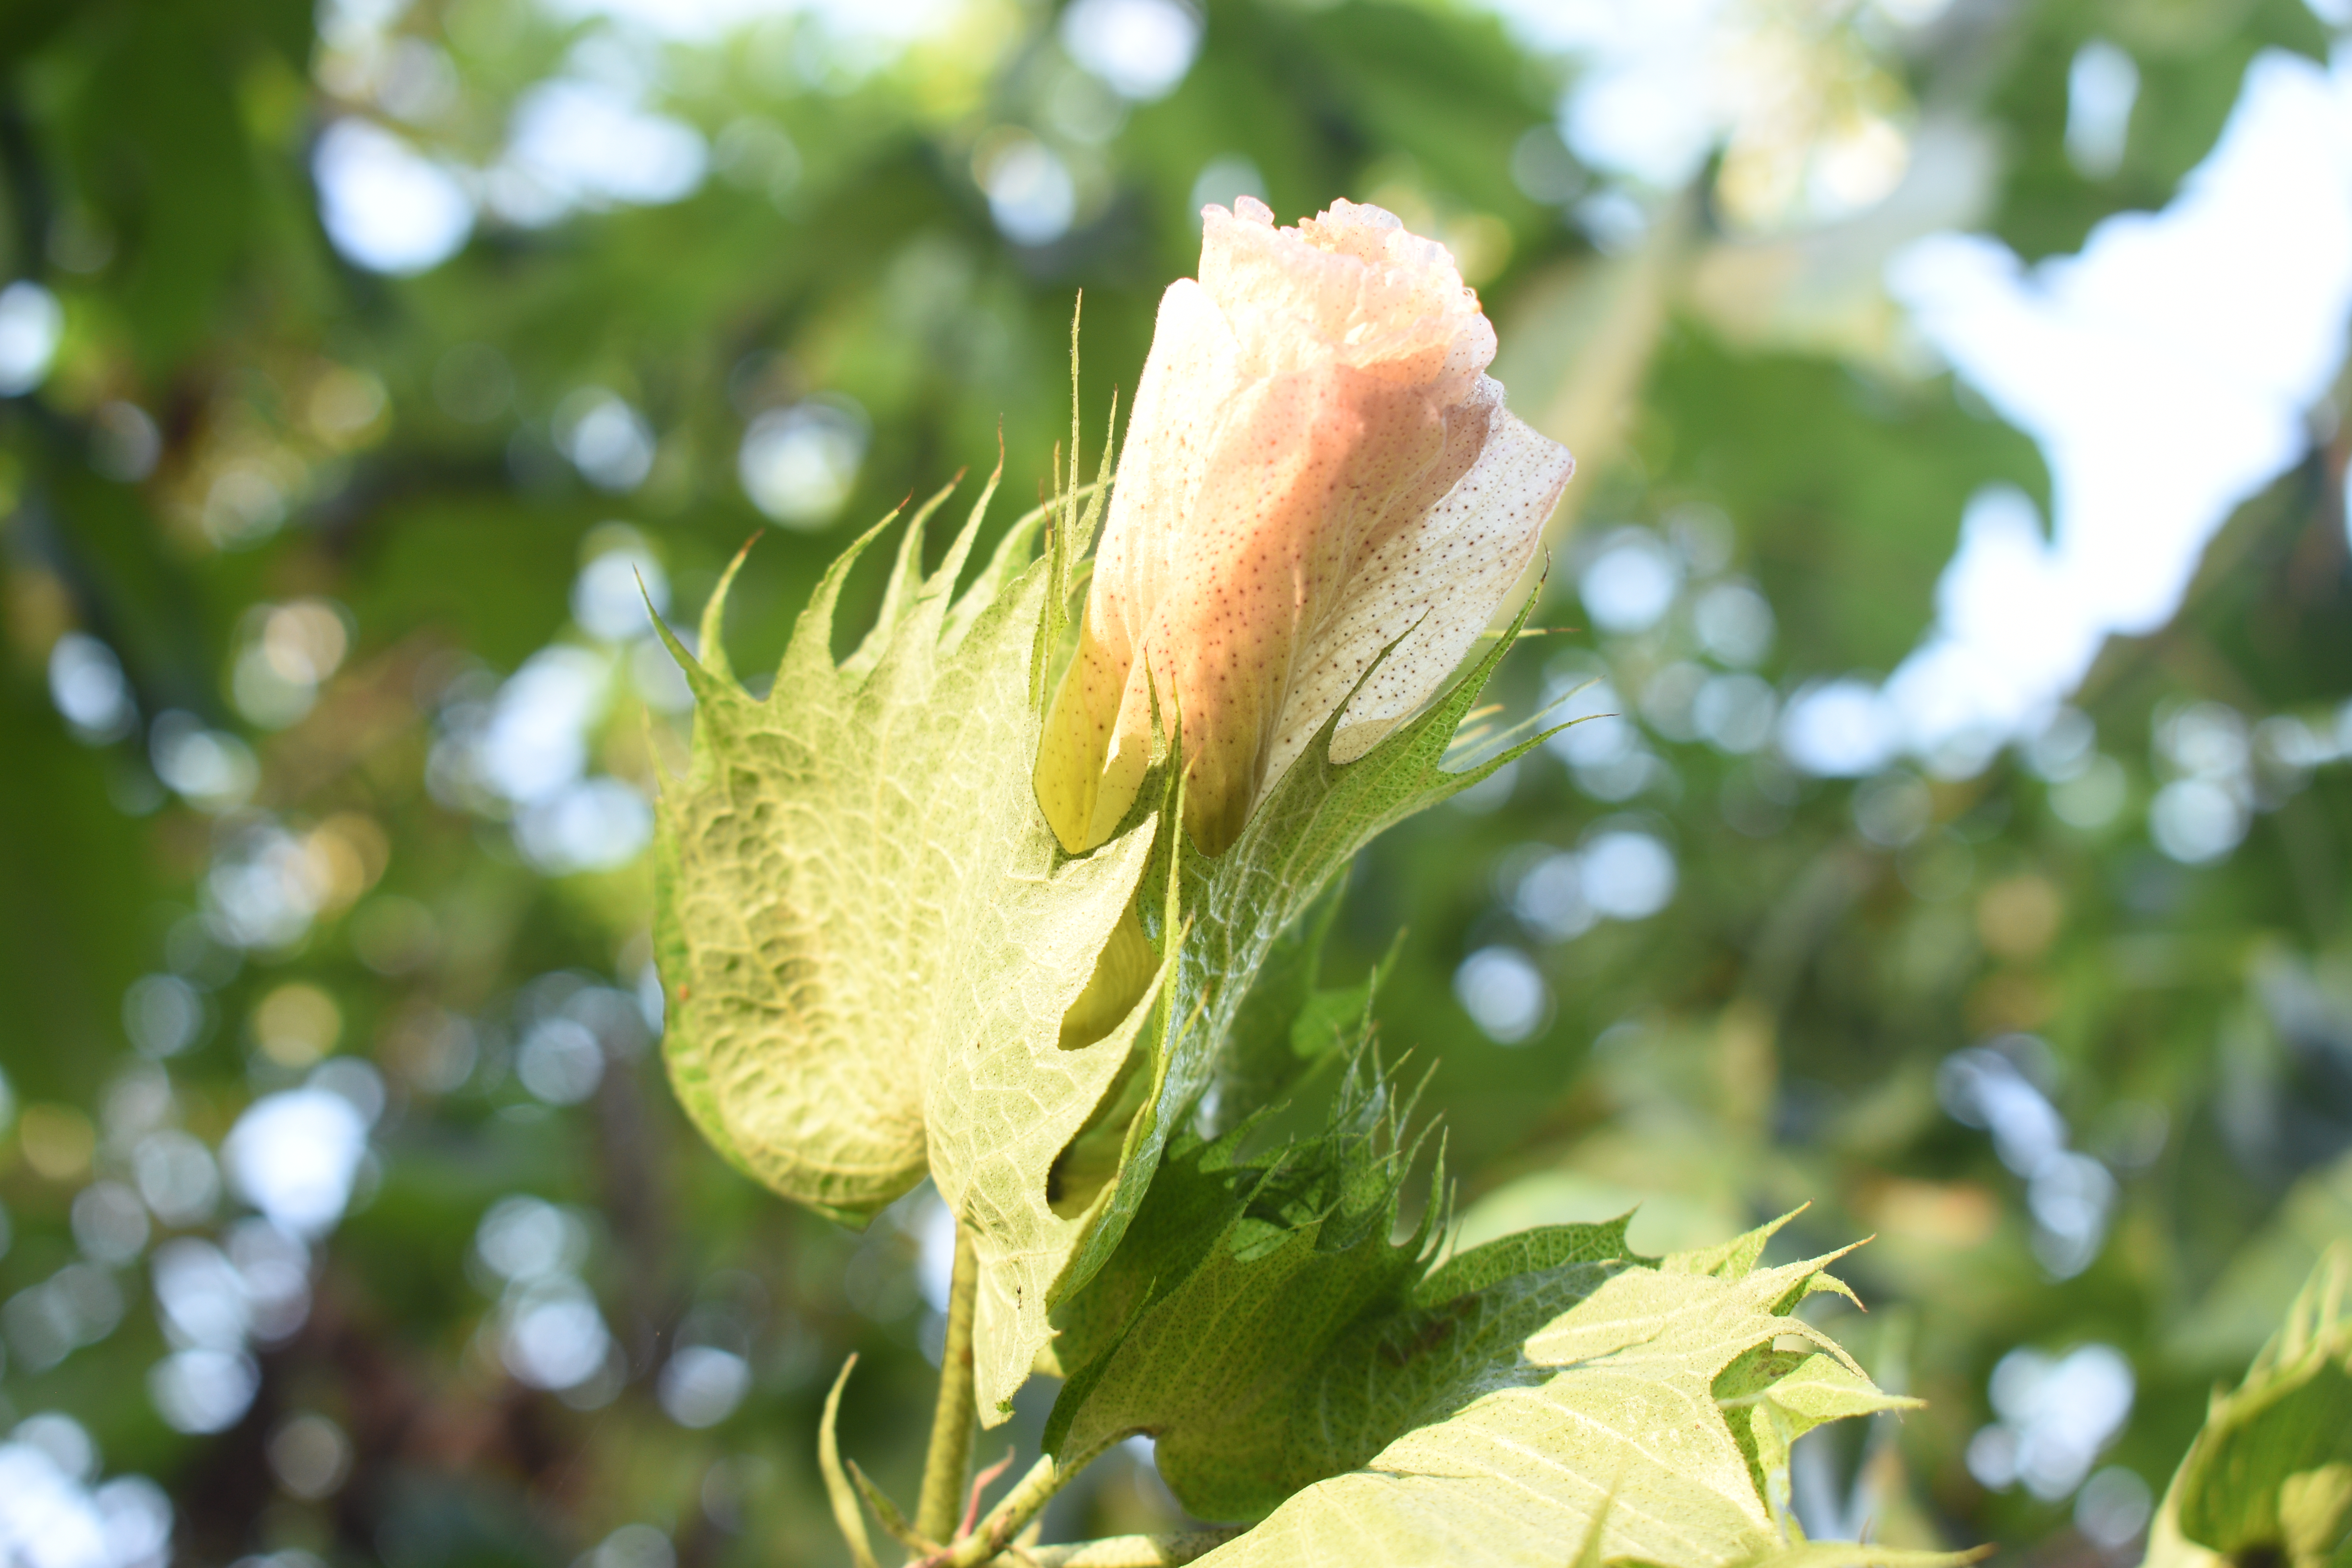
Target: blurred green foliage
<point x="317" y="517"/>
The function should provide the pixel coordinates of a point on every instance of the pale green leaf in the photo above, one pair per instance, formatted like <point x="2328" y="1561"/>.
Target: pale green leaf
<point x="1824" y="1388"/>
<point x="1734" y="1259"/>
<point x="1617" y="1426"/>
<point x="1784" y="1395"/>
<point x="1860" y="1555"/>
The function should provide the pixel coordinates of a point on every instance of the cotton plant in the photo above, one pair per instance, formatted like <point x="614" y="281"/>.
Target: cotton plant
<point x="1026" y="896"/>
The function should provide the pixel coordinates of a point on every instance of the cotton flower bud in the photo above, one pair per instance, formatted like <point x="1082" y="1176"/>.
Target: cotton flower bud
<point x="1316" y="466"/>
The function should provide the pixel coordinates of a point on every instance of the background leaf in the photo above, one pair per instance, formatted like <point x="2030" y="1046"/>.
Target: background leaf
<point x="2270" y="1475"/>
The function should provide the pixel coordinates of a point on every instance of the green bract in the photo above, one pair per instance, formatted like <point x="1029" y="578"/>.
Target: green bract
<point x="850" y="891"/>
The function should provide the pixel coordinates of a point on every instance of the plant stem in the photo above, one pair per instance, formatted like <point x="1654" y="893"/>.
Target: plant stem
<point x="1012" y="1512"/>
<point x="939" y="1508"/>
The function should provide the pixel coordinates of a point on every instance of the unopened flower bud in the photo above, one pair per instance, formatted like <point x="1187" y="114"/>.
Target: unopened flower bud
<point x="1316" y="466"/>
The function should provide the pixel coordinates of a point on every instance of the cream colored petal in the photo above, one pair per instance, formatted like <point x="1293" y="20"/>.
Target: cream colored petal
<point x="1086" y="781"/>
<point x="1351" y="285"/>
<point x="1288" y="301"/>
<point x="1441" y="582"/>
<point x="1302" y="476"/>
<point x="1220" y="638"/>
<point x="1182" y="400"/>
<point x="1350" y="629"/>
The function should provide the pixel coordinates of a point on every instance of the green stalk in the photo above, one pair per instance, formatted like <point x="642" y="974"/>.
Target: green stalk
<point x="940" y="1509"/>
<point x="1022" y="1503"/>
